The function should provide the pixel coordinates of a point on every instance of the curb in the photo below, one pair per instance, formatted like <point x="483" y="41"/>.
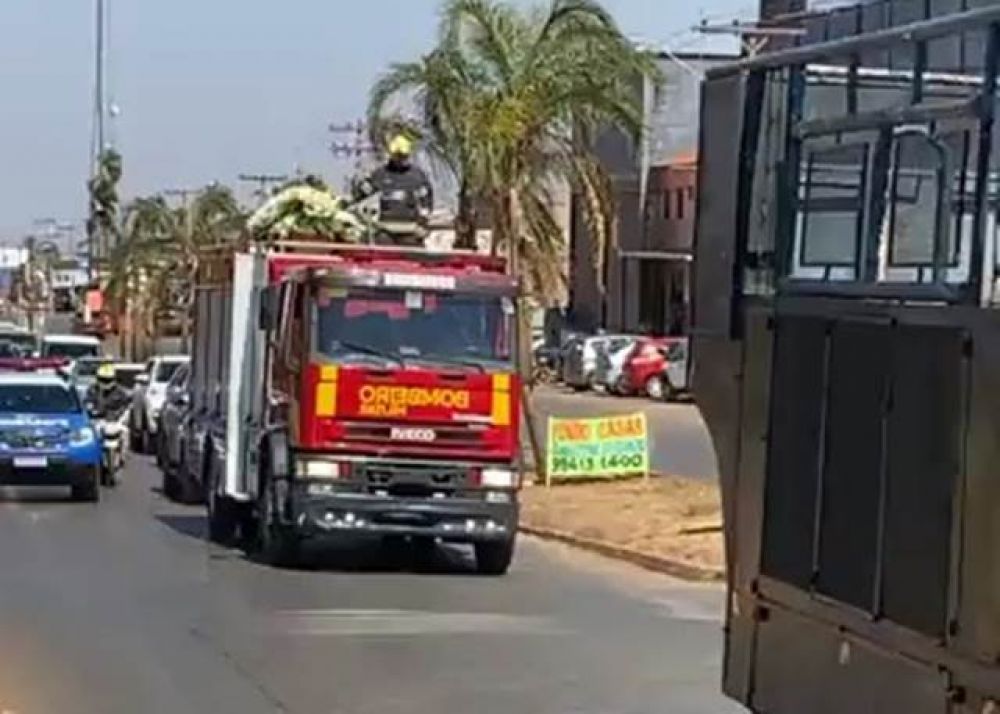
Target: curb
<point x="676" y="568"/>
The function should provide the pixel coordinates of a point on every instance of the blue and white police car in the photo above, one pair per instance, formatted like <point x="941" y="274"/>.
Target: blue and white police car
<point x="46" y="436"/>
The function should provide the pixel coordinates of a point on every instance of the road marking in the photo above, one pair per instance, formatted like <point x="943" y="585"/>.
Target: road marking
<point x="402" y="623"/>
<point x="689" y="609"/>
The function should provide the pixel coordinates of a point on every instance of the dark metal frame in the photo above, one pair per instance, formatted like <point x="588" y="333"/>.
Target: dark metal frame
<point x="733" y="383"/>
<point x="979" y="109"/>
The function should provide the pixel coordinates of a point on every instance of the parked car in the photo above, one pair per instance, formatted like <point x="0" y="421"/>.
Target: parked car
<point x="127" y="374"/>
<point x="657" y="367"/>
<point x="70" y="347"/>
<point x="611" y="359"/>
<point x="148" y="398"/>
<point x="171" y="431"/>
<point x="23" y="343"/>
<point x="579" y="365"/>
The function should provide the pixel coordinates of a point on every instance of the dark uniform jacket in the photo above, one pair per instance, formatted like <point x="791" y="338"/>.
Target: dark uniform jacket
<point x="405" y="193"/>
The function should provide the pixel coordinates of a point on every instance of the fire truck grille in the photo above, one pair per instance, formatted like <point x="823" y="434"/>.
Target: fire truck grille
<point x="415" y="480"/>
<point x="456" y="437"/>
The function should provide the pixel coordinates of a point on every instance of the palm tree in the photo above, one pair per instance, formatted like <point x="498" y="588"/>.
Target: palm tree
<point x="510" y="103"/>
<point x="153" y="268"/>
<point x="103" y="221"/>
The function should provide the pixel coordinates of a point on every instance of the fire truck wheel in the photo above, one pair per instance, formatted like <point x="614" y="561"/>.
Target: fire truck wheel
<point x="494" y="558"/>
<point x="223" y="514"/>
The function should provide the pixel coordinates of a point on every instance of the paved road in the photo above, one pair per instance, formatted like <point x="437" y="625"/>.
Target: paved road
<point x="123" y="607"/>
<point x="679" y="440"/>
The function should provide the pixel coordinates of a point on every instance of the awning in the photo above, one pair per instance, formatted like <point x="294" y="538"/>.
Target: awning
<point x="664" y="255"/>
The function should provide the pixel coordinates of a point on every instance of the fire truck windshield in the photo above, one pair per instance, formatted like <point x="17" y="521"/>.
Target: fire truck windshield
<point x="414" y="326"/>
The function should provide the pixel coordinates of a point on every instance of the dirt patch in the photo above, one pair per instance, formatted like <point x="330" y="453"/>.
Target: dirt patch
<point x="667" y="517"/>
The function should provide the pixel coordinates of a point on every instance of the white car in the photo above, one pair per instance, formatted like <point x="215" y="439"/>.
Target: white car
<point x="72" y="347"/>
<point x="148" y="398"/>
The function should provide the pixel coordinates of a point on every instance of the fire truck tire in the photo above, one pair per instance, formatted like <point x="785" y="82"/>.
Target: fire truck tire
<point x="494" y="558"/>
<point x="223" y="513"/>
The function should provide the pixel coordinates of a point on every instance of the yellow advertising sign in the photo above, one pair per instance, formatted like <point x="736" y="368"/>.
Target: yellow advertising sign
<point x="391" y="401"/>
<point x="603" y="447"/>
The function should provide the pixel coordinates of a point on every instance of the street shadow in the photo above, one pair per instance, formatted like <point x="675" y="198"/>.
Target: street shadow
<point x="382" y="556"/>
<point x="190" y="525"/>
<point x="10" y="495"/>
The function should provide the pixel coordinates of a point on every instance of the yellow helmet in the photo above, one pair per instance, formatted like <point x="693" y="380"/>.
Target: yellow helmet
<point x="400" y="146"/>
<point x="106" y="371"/>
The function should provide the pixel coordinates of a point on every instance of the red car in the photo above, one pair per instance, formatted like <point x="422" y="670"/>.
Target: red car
<point x="657" y="367"/>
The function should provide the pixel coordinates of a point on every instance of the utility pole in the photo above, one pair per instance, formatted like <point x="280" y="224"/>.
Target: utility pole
<point x="263" y="181"/>
<point x="753" y="37"/>
<point x="181" y="193"/>
<point x="356" y="145"/>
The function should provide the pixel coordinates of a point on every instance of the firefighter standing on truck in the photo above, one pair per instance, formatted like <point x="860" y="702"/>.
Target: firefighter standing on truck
<point x="405" y="196"/>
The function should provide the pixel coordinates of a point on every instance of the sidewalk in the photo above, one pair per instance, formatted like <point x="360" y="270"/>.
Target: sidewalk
<point x="666" y="523"/>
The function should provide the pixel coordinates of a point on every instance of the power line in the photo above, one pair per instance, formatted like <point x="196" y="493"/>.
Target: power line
<point x="356" y="146"/>
<point x="263" y="181"/>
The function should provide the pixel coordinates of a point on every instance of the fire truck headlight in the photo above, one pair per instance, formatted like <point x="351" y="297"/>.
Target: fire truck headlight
<point x="499" y="478"/>
<point x="314" y="468"/>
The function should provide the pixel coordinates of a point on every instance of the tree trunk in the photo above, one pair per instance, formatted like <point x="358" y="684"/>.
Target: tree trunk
<point x="511" y="232"/>
<point x="465" y="219"/>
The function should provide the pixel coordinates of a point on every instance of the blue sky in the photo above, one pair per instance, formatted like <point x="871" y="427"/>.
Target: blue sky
<point x="211" y="88"/>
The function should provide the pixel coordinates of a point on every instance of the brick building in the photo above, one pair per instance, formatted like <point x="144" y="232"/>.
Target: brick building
<point x="647" y="277"/>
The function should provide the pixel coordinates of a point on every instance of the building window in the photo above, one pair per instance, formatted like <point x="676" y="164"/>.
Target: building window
<point x="666" y="205"/>
<point x="680" y="204"/>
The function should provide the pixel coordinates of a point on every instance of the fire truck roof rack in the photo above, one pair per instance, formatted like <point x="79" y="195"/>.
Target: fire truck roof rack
<point x="359" y="251"/>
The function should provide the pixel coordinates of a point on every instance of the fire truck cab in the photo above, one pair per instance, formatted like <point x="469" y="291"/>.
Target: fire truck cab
<point x="359" y="391"/>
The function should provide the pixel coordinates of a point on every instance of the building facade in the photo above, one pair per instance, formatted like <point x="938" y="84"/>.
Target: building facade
<point x="643" y="283"/>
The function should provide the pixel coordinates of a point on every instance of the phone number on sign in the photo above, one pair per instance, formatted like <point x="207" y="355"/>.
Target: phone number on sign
<point x="604" y="462"/>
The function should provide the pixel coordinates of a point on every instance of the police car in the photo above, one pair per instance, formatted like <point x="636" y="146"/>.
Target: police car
<point x="46" y="437"/>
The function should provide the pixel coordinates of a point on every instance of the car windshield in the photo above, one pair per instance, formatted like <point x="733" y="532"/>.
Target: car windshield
<point x="126" y="376"/>
<point x="413" y="325"/>
<point x="24" y="340"/>
<point x="88" y="368"/>
<point x="37" y="399"/>
<point x="70" y="349"/>
<point x="165" y="371"/>
<point x="179" y="377"/>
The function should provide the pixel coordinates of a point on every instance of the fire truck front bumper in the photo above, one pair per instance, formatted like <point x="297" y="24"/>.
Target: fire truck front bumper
<point x="468" y="518"/>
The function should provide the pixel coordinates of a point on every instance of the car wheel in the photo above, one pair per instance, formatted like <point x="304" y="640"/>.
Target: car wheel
<point x="160" y="461"/>
<point x="169" y="484"/>
<point x="621" y="387"/>
<point x="134" y="439"/>
<point x="658" y="388"/>
<point x="494" y="558"/>
<point x="146" y="439"/>
<point x="88" y="491"/>
<point x="223" y="517"/>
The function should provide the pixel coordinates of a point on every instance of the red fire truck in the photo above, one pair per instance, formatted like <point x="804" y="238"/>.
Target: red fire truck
<point x="340" y="390"/>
